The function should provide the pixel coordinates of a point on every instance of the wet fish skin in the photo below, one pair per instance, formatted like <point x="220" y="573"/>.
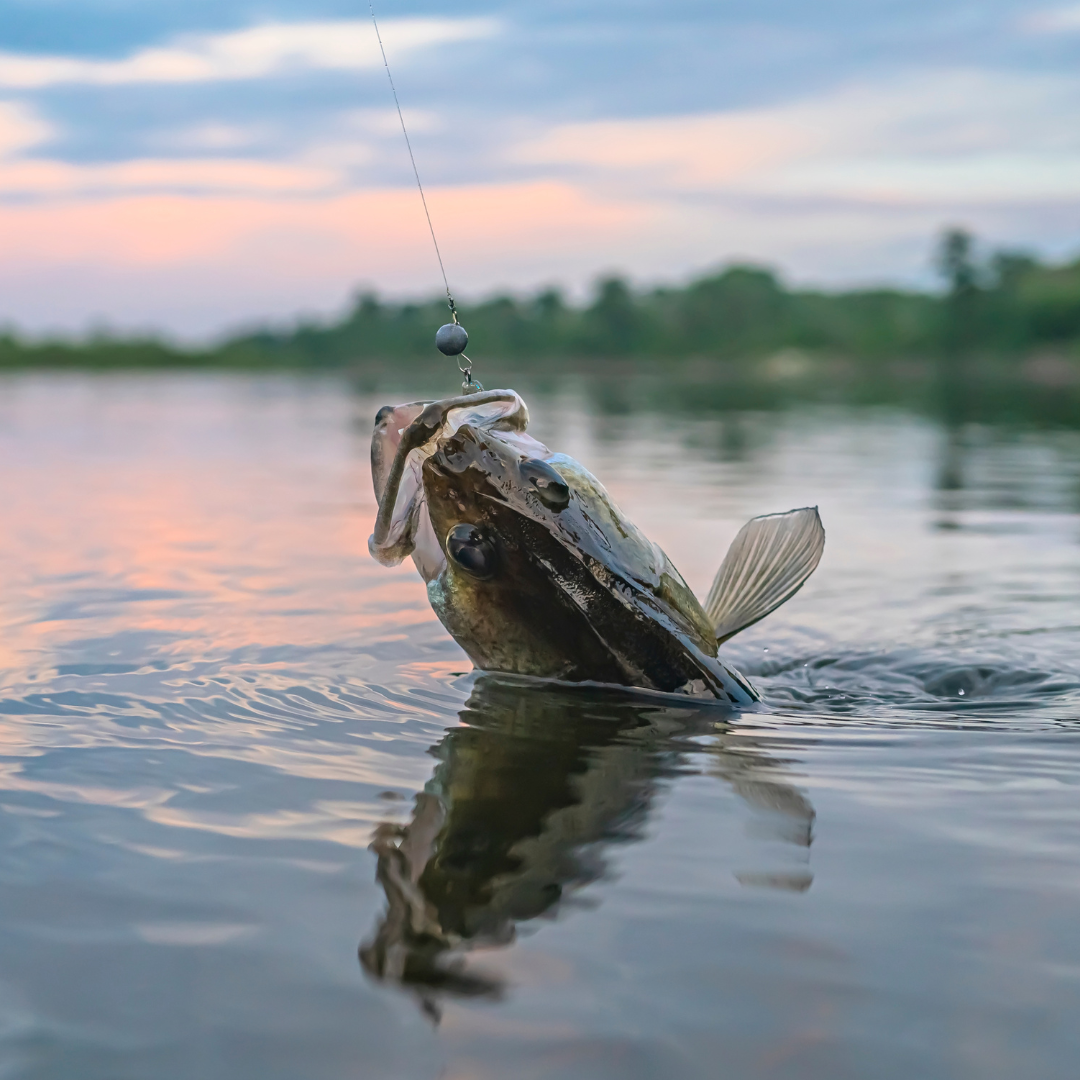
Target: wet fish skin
<point x="535" y="571"/>
<point x="563" y="600"/>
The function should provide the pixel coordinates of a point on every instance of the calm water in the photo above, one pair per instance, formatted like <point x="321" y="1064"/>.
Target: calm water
<point x="212" y="702"/>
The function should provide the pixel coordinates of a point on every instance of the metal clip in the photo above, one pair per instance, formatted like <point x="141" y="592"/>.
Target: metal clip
<point x="470" y="385"/>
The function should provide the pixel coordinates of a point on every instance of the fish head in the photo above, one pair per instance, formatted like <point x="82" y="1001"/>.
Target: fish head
<point x="534" y="570"/>
<point x="478" y="479"/>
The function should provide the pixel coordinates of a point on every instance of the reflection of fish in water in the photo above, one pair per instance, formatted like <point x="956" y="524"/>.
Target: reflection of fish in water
<point x="518" y="811"/>
<point x="534" y="571"/>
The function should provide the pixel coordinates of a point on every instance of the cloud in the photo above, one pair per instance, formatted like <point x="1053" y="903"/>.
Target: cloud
<point x="258" y="52"/>
<point x="1063" y="20"/>
<point x="672" y="152"/>
<point x="20" y="128"/>
<point x="835" y="187"/>
<point x="972" y="179"/>
<point x="922" y="138"/>
<point x="211" y="136"/>
<point x="24" y="176"/>
<point x="197" y="263"/>
<point x="42" y="179"/>
<point x="538" y="215"/>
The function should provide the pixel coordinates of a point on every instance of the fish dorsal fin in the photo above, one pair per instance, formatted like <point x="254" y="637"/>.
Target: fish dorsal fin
<point x="767" y="563"/>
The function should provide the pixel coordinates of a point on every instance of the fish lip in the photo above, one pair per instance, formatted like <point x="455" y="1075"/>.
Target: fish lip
<point x="417" y="434"/>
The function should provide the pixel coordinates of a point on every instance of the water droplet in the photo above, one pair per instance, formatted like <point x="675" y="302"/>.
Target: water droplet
<point x="961" y="693"/>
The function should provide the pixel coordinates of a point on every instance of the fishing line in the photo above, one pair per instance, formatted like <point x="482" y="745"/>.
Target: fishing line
<point x="452" y="338"/>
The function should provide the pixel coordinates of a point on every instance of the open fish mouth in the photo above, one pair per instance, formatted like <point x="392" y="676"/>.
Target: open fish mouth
<point x="536" y="572"/>
<point x="405" y="437"/>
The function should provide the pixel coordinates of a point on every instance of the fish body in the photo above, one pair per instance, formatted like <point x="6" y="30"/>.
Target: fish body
<point x="529" y="564"/>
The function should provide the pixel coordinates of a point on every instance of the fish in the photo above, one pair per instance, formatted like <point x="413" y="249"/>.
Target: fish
<point x="528" y="793"/>
<point x="534" y="570"/>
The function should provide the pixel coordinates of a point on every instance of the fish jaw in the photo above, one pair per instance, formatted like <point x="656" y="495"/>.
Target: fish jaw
<point x="390" y="424"/>
<point x="409" y="530"/>
<point x="404" y="436"/>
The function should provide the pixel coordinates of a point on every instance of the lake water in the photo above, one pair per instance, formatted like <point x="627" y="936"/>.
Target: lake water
<point x="212" y="702"/>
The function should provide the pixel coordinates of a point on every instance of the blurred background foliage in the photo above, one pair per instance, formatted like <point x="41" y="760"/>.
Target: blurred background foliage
<point x="1002" y="310"/>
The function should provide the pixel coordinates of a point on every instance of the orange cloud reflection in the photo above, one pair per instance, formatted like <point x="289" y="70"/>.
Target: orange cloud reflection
<point x="254" y="541"/>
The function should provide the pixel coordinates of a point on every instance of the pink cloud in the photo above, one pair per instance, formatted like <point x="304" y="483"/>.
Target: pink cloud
<point x="244" y="255"/>
<point x="44" y="178"/>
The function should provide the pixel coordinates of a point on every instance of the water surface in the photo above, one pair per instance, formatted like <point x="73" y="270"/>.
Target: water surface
<point x="229" y="742"/>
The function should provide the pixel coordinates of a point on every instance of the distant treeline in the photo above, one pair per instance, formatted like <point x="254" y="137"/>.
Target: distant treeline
<point x="1006" y="306"/>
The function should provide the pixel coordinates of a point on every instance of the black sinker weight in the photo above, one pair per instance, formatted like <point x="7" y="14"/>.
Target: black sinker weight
<point x="451" y="339"/>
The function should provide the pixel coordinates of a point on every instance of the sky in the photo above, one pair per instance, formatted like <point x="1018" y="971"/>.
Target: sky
<point x="193" y="168"/>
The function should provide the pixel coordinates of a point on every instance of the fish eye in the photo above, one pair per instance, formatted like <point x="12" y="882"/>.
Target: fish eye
<point x="552" y="489"/>
<point x="471" y="550"/>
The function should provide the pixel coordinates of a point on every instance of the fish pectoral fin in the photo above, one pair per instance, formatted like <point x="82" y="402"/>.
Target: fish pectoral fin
<point x="767" y="563"/>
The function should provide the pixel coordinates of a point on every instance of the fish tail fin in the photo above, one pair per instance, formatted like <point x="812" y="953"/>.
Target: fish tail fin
<point x="767" y="563"/>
